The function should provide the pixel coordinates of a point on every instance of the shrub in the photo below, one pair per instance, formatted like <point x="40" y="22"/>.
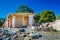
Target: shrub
<point x="54" y="30"/>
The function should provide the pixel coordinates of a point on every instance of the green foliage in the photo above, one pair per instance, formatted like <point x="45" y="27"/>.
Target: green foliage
<point x="2" y="20"/>
<point x="36" y="18"/>
<point x="24" y="9"/>
<point x="54" y="30"/>
<point x="58" y="17"/>
<point x="1" y="23"/>
<point x="47" y="16"/>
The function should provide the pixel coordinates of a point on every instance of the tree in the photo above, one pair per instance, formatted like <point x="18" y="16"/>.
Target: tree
<point x="2" y="20"/>
<point x="47" y="16"/>
<point x="58" y="17"/>
<point x="1" y="23"/>
<point x="36" y="18"/>
<point x="24" y="9"/>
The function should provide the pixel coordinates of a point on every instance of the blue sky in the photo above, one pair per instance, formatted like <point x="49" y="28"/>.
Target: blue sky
<point x="9" y="6"/>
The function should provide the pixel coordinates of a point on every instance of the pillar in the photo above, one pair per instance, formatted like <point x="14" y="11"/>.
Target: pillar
<point x="30" y="20"/>
<point x="23" y="21"/>
<point x="13" y="21"/>
<point x="6" y="24"/>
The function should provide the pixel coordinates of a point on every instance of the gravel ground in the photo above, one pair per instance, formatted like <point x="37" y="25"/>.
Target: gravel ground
<point x="45" y="36"/>
<point x="50" y="36"/>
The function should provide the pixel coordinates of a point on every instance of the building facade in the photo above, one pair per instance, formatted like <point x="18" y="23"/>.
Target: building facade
<point x="19" y="19"/>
